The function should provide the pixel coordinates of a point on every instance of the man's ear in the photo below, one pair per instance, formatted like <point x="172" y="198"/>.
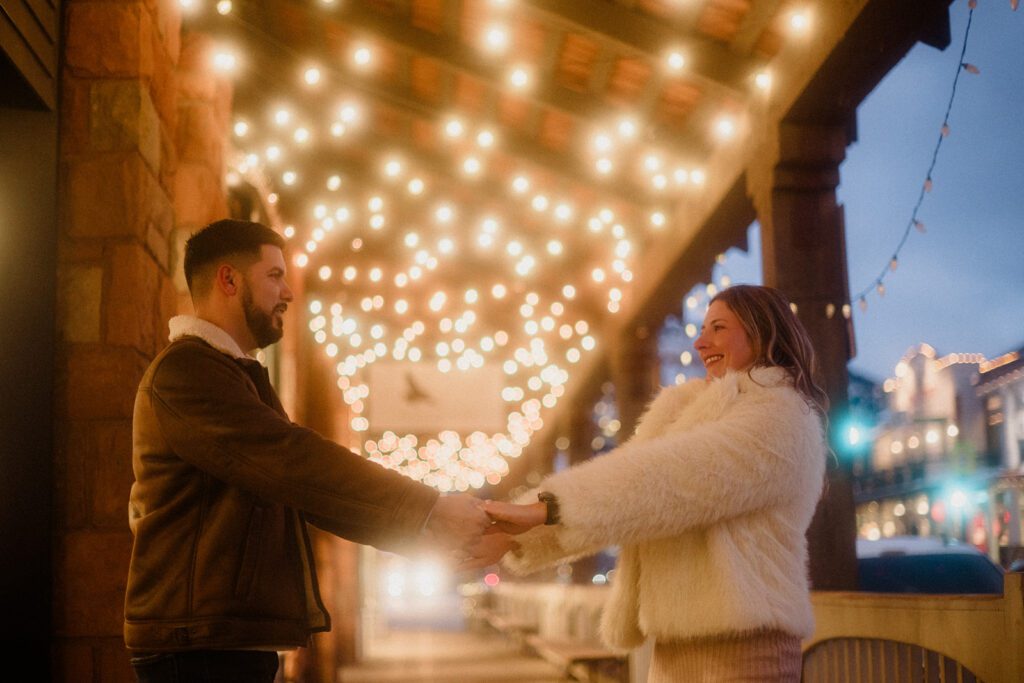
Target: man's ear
<point x="227" y="279"/>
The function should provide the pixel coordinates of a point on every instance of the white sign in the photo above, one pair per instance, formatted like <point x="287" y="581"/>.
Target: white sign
<point x="415" y="398"/>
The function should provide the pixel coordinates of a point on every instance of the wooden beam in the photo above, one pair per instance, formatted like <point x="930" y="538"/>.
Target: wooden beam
<point x="580" y="106"/>
<point x="567" y="169"/>
<point x="754" y="23"/>
<point x="714" y="68"/>
<point x="281" y="65"/>
<point x="879" y="38"/>
<point x="29" y="43"/>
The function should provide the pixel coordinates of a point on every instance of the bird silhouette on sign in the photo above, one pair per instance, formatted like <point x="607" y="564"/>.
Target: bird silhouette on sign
<point x="413" y="393"/>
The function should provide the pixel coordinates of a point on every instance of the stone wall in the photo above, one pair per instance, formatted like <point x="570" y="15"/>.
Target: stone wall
<point x="142" y="131"/>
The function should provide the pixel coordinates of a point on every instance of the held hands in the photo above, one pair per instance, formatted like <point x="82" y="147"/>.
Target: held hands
<point x="508" y="520"/>
<point x="515" y="519"/>
<point x="479" y="533"/>
<point x="487" y="551"/>
<point x="458" y="522"/>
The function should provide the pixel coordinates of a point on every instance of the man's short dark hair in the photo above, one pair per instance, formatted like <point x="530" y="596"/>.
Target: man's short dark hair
<point x="223" y="239"/>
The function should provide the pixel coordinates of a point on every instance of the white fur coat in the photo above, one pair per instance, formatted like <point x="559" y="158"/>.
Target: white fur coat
<point x="710" y="502"/>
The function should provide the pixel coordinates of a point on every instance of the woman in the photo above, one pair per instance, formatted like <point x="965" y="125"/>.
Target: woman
<point x="710" y="502"/>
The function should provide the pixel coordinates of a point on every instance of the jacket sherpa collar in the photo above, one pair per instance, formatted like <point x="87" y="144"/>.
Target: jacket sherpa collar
<point x="191" y="326"/>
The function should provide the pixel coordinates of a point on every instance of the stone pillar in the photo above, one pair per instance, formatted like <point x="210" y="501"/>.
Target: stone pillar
<point x="203" y="110"/>
<point x="113" y="298"/>
<point x="634" y="369"/>
<point x="803" y="252"/>
<point x="119" y="136"/>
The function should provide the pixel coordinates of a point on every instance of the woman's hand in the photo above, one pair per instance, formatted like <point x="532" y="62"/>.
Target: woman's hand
<point x="515" y="519"/>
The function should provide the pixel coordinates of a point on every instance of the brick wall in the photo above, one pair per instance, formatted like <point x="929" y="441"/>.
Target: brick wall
<point x="142" y="131"/>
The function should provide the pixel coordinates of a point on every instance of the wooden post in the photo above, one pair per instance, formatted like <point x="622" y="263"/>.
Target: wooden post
<point x="803" y="252"/>
<point x="634" y="369"/>
<point x="580" y="433"/>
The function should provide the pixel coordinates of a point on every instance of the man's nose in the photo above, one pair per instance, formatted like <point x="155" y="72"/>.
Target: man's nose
<point x="286" y="292"/>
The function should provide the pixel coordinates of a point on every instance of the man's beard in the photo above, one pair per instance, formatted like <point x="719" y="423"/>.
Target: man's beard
<point x="260" y="324"/>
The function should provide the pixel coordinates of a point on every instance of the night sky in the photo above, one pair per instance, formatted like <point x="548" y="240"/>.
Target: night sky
<point x="959" y="286"/>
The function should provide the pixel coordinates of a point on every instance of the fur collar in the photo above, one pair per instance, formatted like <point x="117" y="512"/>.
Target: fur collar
<point x="697" y="400"/>
<point x="191" y="326"/>
<point x="761" y="376"/>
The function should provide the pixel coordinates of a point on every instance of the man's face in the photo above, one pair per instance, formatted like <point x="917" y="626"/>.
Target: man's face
<point x="265" y="296"/>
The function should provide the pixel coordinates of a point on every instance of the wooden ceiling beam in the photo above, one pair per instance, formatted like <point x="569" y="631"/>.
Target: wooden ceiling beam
<point x="583" y="107"/>
<point x="718" y="70"/>
<point x="458" y="57"/>
<point x="568" y="169"/>
<point x="754" y="24"/>
<point x="602" y="72"/>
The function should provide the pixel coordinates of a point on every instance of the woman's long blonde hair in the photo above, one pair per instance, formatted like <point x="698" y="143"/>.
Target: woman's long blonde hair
<point x="777" y="337"/>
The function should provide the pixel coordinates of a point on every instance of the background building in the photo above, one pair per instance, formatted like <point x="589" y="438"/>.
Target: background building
<point x="944" y="459"/>
<point x="1000" y="387"/>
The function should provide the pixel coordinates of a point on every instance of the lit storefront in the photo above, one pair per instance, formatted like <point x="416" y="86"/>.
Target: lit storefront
<point x="1000" y="388"/>
<point x="932" y="463"/>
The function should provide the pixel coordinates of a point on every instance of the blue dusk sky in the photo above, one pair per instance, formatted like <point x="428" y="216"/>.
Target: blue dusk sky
<point x="959" y="286"/>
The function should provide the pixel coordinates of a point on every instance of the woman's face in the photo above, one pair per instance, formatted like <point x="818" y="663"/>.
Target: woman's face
<point x="723" y="344"/>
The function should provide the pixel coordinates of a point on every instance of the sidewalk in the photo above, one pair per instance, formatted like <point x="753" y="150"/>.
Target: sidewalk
<point x="447" y="657"/>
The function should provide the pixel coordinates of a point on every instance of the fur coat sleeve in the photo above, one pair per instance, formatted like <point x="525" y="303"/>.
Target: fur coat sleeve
<point x="742" y="452"/>
<point x="544" y="546"/>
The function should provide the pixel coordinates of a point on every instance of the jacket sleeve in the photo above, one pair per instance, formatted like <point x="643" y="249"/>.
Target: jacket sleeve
<point x="757" y="455"/>
<point x="212" y="419"/>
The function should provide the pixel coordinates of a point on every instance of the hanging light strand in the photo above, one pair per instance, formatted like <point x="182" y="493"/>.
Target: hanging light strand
<point x="877" y="284"/>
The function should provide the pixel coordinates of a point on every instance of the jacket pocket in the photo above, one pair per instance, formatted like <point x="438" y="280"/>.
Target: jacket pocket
<point x="248" y="570"/>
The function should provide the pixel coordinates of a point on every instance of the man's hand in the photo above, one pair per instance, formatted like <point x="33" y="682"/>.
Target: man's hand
<point x="457" y="522"/>
<point x="516" y="519"/>
<point x="487" y="551"/>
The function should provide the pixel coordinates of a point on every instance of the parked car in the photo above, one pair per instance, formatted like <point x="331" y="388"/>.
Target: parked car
<point x="911" y="564"/>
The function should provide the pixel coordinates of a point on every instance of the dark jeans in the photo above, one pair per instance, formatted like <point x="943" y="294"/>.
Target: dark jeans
<point x="207" y="666"/>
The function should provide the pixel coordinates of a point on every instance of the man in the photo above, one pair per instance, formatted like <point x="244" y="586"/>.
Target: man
<point x="222" y="572"/>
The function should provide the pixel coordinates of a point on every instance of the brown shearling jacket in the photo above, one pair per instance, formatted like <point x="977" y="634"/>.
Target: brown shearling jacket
<point x="224" y="486"/>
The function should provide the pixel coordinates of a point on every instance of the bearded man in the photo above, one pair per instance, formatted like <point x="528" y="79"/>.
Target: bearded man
<point x="222" y="574"/>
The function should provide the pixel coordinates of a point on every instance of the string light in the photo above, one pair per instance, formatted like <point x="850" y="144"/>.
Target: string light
<point x="311" y="76"/>
<point x="799" y="21"/>
<point x="914" y="223"/>
<point x="496" y="39"/>
<point x="362" y="57"/>
<point x="675" y="61"/>
<point x="552" y="341"/>
<point x="519" y="78"/>
<point x="225" y="60"/>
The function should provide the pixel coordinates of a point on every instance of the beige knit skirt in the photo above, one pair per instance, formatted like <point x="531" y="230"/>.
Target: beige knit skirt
<point x="763" y="657"/>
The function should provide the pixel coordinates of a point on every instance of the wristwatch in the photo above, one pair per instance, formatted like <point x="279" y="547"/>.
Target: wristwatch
<point x="551" y="502"/>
